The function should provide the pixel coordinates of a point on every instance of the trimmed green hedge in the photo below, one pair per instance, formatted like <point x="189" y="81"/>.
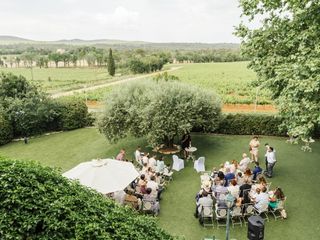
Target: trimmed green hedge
<point x="37" y="202"/>
<point x="248" y="124"/>
<point x="74" y="113"/>
<point x="6" y="132"/>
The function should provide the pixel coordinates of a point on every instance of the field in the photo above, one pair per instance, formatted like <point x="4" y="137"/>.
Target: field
<point x="296" y="172"/>
<point x="232" y="81"/>
<point x="54" y="80"/>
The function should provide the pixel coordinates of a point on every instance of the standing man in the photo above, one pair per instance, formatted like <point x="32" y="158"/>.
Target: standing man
<point x="271" y="159"/>
<point x="267" y="148"/>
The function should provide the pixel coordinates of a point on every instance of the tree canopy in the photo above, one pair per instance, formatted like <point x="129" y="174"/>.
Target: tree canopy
<point x="39" y="203"/>
<point x="160" y="111"/>
<point x="285" y="53"/>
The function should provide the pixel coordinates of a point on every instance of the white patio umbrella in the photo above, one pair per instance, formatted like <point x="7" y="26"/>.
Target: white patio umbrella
<point x="105" y="176"/>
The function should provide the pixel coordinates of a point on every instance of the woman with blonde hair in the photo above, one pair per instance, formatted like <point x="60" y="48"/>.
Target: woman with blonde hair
<point x="254" y="148"/>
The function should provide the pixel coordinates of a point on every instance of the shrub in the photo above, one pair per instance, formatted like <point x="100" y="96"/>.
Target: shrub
<point x="38" y="203"/>
<point x="74" y="113"/>
<point x="6" y="132"/>
<point x="159" y="111"/>
<point x="248" y="124"/>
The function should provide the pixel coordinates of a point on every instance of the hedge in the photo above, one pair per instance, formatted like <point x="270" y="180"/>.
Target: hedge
<point x="251" y="124"/>
<point x="6" y="132"/>
<point x="37" y="202"/>
<point x="74" y="114"/>
<point x="255" y="124"/>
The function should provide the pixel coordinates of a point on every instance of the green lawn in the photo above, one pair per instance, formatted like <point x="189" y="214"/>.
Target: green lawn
<point x="230" y="80"/>
<point x="296" y="172"/>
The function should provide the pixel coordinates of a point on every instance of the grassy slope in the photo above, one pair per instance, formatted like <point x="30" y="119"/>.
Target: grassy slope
<point x="63" y="78"/>
<point x="296" y="172"/>
<point x="230" y="80"/>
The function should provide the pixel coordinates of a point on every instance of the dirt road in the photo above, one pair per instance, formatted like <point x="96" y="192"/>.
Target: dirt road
<point x="86" y="89"/>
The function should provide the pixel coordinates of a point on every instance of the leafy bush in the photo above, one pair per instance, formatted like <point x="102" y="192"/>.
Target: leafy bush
<point x="38" y="203"/>
<point x="74" y="113"/>
<point x="160" y="111"/>
<point x="247" y="124"/>
<point x="6" y="132"/>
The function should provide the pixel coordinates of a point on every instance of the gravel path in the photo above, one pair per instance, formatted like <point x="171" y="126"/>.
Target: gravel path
<point x="86" y="89"/>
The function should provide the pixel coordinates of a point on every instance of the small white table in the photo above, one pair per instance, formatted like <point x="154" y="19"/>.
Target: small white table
<point x="190" y="151"/>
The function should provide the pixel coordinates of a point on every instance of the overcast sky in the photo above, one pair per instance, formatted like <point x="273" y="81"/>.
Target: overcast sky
<point x="209" y="21"/>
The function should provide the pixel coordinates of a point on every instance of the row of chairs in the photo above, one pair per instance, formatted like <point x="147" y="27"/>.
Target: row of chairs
<point x="238" y="214"/>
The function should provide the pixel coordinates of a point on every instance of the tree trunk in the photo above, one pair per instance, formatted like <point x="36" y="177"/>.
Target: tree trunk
<point x="168" y="142"/>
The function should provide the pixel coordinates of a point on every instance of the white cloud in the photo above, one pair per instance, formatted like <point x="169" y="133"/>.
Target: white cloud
<point x="158" y="21"/>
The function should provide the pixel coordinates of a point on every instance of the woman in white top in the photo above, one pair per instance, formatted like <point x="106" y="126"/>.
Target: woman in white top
<point x="253" y="146"/>
<point x="234" y="189"/>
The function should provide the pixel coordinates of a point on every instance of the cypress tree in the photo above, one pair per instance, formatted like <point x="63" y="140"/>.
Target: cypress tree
<point x="111" y="64"/>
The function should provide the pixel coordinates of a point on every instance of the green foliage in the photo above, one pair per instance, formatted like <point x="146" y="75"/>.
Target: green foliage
<point x="30" y="112"/>
<point x="111" y="64"/>
<point x="6" y="132"/>
<point x="160" y="111"/>
<point x="38" y="203"/>
<point x="232" y="81"/>
<point x="12" y="86"/>
<point x="285" y="53"/>
<point x="251" y="124"/>
<point x="74" y="113"/>
<point x="146" y="64"/>
<point x="165" y="77"/>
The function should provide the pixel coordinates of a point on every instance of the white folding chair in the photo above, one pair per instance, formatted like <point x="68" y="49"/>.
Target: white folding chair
<point x="178" y="163"/>
<point x="207" y="216"/>
<point x="199" y="164"/>
<point x="236" y="214"/>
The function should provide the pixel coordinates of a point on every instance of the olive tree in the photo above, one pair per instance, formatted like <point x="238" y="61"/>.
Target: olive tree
<point x="285" y="53"/>
<point x="159" y="111"/>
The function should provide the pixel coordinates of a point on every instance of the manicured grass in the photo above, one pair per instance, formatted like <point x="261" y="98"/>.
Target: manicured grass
<point x="297" y="172"/>
<point x="230" y="80"/>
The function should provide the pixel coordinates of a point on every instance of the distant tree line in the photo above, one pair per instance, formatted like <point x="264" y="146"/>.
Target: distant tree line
<point x="133" y="60"/>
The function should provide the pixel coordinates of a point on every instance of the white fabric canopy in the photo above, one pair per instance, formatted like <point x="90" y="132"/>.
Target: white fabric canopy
<point x="105" y="176"/>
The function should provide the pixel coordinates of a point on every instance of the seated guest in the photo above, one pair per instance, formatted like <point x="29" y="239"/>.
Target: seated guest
<point x="262" y="182"/>
<point x="153" y="162"/>
<point x="244" y="163"/>
<point x="219" y="189"/>
<point x="160" y="165"/>
<point x="144" y="169"/>
<point x="214" y="173"/>
<point x="145" y="159"/>
<point x="142" y="183"/>
<point x="122" y="155"/>
<point x="234" y="188"/>
<point x="261" y="199"/>
<point x="204" y="201"/>
<point x="247" y="175"/>
<point x="119" y="196"/>
<point x="244" y="192"/>
<point x="154" y="187"/>
<point x="240" y="178"/>
<point x="132" y="201"/>
<point x="206" y="187"/>
<point x="148" y="197"/>
<point x="228" y="177"/>
<point x="233" y="166"/>
<point x="257" y="170"/>
<point x="222" y="168"/>
<point x="276" y="197"/>
<point x="149" y="173"/>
